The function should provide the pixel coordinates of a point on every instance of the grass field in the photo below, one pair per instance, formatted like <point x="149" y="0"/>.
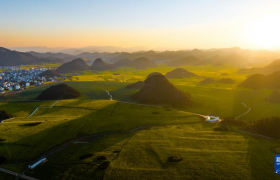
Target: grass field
<point x="143" y="155"/>
<point x="221" y="100"/>
<point x="206" y="153"/>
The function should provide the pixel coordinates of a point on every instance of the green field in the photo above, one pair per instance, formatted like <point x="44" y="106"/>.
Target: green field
<point x="221" y="100"/>
<point x="206" y="154"/>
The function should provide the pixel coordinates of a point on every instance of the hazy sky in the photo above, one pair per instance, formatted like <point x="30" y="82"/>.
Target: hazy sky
<point x="151" y="23"/>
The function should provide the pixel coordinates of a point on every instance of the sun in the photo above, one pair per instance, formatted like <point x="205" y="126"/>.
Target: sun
<point x="265" y="32"/>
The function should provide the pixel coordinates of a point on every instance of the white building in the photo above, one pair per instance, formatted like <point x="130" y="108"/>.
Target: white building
<point x="17" y="86"/>
<point x="212" y="119"/>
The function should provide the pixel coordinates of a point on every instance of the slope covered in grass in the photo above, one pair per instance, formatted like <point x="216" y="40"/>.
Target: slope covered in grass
<point x="144" y="155"/>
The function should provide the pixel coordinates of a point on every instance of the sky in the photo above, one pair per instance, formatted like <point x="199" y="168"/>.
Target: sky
<point x="169" y="24"/>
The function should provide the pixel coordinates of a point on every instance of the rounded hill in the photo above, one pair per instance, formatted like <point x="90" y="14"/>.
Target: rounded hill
<point x="259" y="81"/>
<point x="255" y="81"/>
<point x="143" y="63"/>
<point x="57" y="92"/>
<point x="49" y="74"/>
<point x="158" y="90"/>
<point x="179" y="73"/>
<point x="207" y="81"/>
<point x="189" y="60"/>
<point x="226" y="81"/>
<point x="100" y="65"/>
<point x="123" y="63"/>
<point x="72" y="66"/>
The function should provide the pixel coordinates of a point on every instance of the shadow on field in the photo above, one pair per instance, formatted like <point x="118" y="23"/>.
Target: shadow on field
<point x="125" y="118"/>
<point x="237" y="107"/>
<point x="260" y="158"/>
<point x="49" y="138"/>
<point x="96" y="89"/>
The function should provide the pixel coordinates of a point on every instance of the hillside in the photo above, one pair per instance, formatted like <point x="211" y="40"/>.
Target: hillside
<point x="64" y="56"/>
<point x="207" y="81"/>
<point x="4" y="115"/>
<point x="13" y="58"/>
<point x="72" y="66"/>
<point x="138" y="63"/>
<point x="274" y="97"/>
<point x="143" y="63"/>
<point x="158" y="90"/>
<point x="57" y="92"/>
<point x="100" y="65"/>
<point x="189" y="60"/>
<point x="49" y="73"/>
<point x="179" y="73"/>
<point x="259" y="81"/>
<point x="123" y="63"/>
<point x="138" y="84"/>
<point x="234" y="59"/>
<point x="270" y="68"/>
<point x="226" y="81"/>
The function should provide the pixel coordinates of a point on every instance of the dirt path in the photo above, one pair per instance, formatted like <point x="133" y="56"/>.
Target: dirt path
<point x="6" y="120"/>
<point x="17" y="174"/>
<point x="42" y="107"/>
<point x="249" y="109"/>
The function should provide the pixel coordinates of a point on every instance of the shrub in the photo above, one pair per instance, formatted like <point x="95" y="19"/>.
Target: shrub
<point x="232" y="121"/>
<point x="104" y="165"/>
<point x="2" y="159"/>
<point x="85" y="156"/>
<point x="60" y="91"/>
<point x="4" y="115"/>
<point x="101" y="158"/>
<point x="220" y="128"/>
<point x="31" y="124"/>
<point x="267" y="126"/>
<point x="175" y="159"/>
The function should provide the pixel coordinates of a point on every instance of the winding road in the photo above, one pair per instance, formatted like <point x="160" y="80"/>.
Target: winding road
<point x="249" y="109"/>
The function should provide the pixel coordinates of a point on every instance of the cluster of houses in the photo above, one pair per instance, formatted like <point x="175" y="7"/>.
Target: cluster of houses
<point x="18" y="79"/>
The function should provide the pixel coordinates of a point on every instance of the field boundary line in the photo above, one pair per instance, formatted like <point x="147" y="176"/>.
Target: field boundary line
<point x="159" y="106"/>
<point x="42" y="107"/>
<point x="113" y="109"/>
<point x="6" y="120"/>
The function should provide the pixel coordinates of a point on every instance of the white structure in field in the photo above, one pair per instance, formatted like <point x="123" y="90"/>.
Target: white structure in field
<point x="212" y="119"/>
<point x="32" y="166"/>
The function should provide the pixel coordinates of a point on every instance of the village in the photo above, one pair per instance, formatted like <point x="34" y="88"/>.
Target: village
<point x="17" y="79"/>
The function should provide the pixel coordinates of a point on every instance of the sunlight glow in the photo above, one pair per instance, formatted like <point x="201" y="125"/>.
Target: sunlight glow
<point x="265" y="32"/>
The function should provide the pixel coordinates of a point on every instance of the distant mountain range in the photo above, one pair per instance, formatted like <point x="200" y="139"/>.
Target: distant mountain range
<point x="12" y="58"/>
<point x="100" y="65"/>
<point x="227" y="56"/>
<point x="76" y="51"/>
